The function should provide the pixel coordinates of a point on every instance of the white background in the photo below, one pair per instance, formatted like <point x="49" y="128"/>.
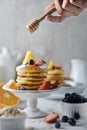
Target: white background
<point x="60" y="41"/>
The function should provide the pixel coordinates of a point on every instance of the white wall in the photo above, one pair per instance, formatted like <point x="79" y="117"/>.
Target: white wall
<point x="60" y="42"/>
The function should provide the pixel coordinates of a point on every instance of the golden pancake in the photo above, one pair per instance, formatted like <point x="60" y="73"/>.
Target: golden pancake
<point x="56" y="71"/>
<point x="28" y="82"/>
<point x="30" y="75"/>
<point x="53" y="77"/>
<point x="30" y="78"/>
<point x="28" y="87"/>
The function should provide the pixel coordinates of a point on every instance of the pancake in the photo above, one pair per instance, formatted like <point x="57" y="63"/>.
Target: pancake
<point x="55" y="75"/>
<point x="30" y="76"/>
<point x="28" y="87"/>
<point x="21" y="81"/>
<point x="56" y="71"/>
<point x="33" y="74"/>
<point x="55" y="78"/>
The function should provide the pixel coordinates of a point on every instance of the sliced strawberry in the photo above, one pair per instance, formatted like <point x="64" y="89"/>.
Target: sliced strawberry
<point x="45" y="86"/>
<point x="50" y="118"/>
<point x="40" y="62"/>
<point x="67" y="78"/>
<point x="54" y="84"/>
<point x="58" y="67"/>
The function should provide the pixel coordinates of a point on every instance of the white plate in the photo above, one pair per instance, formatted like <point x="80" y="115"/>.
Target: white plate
<point x="30" y="94"/>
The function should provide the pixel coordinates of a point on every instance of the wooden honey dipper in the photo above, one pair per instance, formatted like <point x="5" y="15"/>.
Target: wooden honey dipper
<point x="33" y="25"/>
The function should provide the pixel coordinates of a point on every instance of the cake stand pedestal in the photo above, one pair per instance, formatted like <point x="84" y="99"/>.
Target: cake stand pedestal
<point x="32" y="111"/>
<point x="31" y="98"/>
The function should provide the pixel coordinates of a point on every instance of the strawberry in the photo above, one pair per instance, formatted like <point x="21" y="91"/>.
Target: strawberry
<point x="40" y="62"/>
<point x="67" y="78"/>
<point x="54" y="84"/>
<point x="58" y="67"/>
<point x="45" y="86"/>
<point x="50" y="118"/>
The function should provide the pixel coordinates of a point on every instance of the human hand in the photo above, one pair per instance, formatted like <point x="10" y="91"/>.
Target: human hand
<point x="66" y="8"/>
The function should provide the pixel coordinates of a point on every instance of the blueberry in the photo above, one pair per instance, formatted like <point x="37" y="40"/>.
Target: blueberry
<point x="86" y="99"/>
<point x="22" y="88"/>
<point x="65" y="118"/>
<point x="71" y="99"/>
<point x="57" y="125"/>
<point x="31" y="62"/>
<point x="78" y="99"/>
<point x="53" y="67"/>
<point x="74" y="93"/>
<point x="65" y="100"/>
<point x="76" y="115"/>
<point x="67" y="95"/>
<point x="72" y="121"/>
<point x="83" y="100"/>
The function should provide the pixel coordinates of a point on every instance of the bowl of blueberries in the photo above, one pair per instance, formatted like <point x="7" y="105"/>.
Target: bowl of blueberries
<point x="74" y="104"/>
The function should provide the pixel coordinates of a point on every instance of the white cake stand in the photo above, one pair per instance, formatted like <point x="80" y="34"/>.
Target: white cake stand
<point x="31" y="97"/>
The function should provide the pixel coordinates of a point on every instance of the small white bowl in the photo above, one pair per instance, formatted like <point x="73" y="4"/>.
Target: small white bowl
<point x="12" y="123"/>
<point x="70" y="108"/>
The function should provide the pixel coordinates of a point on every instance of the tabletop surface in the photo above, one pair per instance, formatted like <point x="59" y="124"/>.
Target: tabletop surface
<point x="52" y="105"/>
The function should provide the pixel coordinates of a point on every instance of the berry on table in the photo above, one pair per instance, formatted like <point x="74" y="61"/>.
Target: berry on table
<point x="72" y="121"/>
<point x="57" y="125"/>
<point x="65" y="118"/>
<point x="52" y="117"/>
<point x="76" y="115"/>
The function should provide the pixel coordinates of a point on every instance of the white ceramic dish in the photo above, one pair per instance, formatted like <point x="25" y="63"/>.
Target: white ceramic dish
<point x="26" y="94"/>
<point x="70" y="108"/>
<point x="12" y="123"/>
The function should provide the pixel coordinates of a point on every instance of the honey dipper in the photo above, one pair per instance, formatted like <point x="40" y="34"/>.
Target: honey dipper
<point x="33" y="25"/>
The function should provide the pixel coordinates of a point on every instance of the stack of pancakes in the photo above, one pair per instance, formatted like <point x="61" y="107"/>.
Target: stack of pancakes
<point x="54" y="75"/>
<point x="30" y="76"/>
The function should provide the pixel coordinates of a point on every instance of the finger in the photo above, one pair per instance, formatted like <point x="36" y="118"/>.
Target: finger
<point x="58" y="6"/>
<point x="69" y="7"/>
<point x="50" y="6"/>
<point x="67" y="13"/>
<point x="56" y="19"/>
<point x="60" y="18"/>
<point x="78" y="3"/>
<point x="51" y="18"/>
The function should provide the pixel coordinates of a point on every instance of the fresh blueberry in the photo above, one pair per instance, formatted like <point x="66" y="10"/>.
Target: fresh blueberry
<point x="74" y="93"/>
<point x="22" y="88"/>
<point x="67" y="95"/>
<point x="57" y="125"/>
<point x="31" y="62"/>
<point x="71" y="99"/>
<point x="65" y="100"/>
<point x="76" y="115"/>
<point x="72" y="121"/>
<point x="65" y="118"/>
<point x="53" y="67"/>
<point x="78" y="99"/>
<point x="84" y="100"/>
